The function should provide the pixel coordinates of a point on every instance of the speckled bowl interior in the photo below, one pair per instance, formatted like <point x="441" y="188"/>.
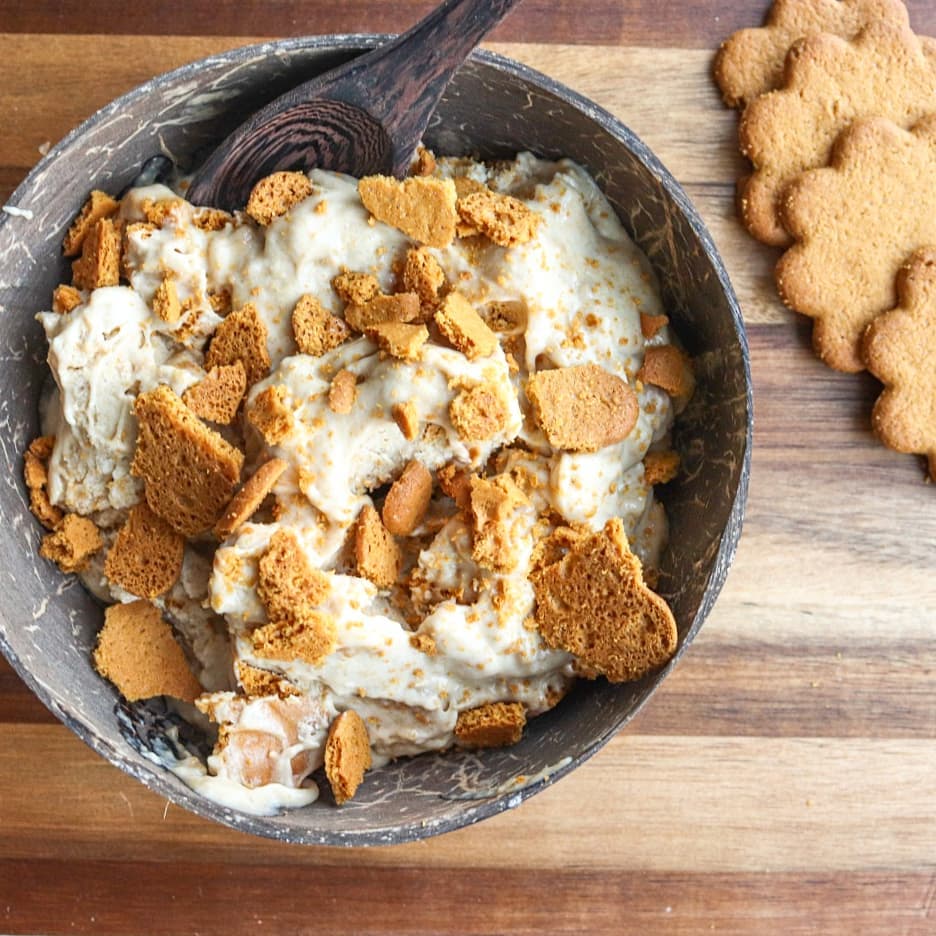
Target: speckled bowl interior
<point x="494" y="108"/>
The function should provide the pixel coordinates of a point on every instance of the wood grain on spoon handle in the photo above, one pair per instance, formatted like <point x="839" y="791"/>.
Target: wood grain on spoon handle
<point x="363" y="117"/>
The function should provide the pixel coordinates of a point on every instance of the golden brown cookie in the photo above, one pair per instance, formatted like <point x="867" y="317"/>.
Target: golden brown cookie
<point x="464" y="329"/>
<point x="423" y="276"/>
<point x="98" y="206"/>
<point x="377" y="556"/>
<point x="286" y="582"/>
<point x="492" y="503"/>
<point x="146" y="558"/>
<point x="242" y="336"/>
<point x="378" y="310"/>
<point x="900" y="350"/>
<point x="259" y="683"/>
<point x="356" y="288"/>
<point x="660" y="467"/>
<point x="218" y="396"/>
<point x="669" y="368"/>
<point x="315" y="329"/>
<point x="189" y="470"/>
<point x="138" y="653"/>
<point x="479" y="413"/>
<point x="505" y="220"/>
<point x="582" y="408"/>
<point x="399" y="339"/>
<point x="248" y="499"/>
<point x="408" y="499"/>
<point x="347" y="755"/>
<point x="422" y="207"/>
<point x="855" y="223"/>
<point x="593" y="602"/>
<point x="166" y="301"/>
<point x="72" y="544"/>
<point x="269" y="414"/>
<point x="308" y="636"/>
<point x="885" y="71"/>
<point x="343" y="392"/>
<point x="36" y="476"/>
<point x="99" y="263"/>
<point x="275" y="194"/>
<point x="495" y="724"/>
<point x="65" y="298"/>
<point x="406" y="417"/>
<point x="751" y="61"/>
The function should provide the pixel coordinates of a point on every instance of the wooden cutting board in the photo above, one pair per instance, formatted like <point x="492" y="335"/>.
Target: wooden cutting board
<point x="784" y="777"/>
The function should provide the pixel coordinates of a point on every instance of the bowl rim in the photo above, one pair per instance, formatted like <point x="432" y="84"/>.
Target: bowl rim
<point x="153" y="776"/>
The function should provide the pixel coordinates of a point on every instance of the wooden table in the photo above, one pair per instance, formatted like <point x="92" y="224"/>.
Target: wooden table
<point x="783" y="779"/>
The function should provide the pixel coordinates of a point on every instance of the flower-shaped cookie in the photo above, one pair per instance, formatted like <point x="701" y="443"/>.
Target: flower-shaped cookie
<point x="886" y="71"/>
<point x="900" y="350"/>
<point x="856" y="221"/>
<point x="750" y="61"/>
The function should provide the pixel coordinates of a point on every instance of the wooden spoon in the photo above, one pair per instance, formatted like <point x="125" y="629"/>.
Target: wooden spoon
<point x="364" y="117"/>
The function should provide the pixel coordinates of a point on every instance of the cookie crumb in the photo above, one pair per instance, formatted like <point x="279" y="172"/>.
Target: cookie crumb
<point x="660" y="467"/>
<point x="73" y="544"/>
<point x="593" y="603"/>
<point x="423" y="276"/>
<point x="505" y="220"/>
<point x="260" y="683"/>
<point x="212" y="219"/>
<point x="669" y="368"/>
<point x="421" y="207"/>
<point x="275" y="194"/>
<point x="286" y="583"/>
<point x="492" y="503"/>
<point x="65" y="298"/>
<point x="650" y="325"/>
<point x="189" y="470"/>
<point x="355" y="288"/>
<point x="242" y="336"/>
<point x="379" y="310"/>
<point x="270" y="416"/>
<point x="342" y="393"/>
<point x="479" y="414"/>
<point x="315" y="329"/>
<point x="377" y="556"/>
<point x="138" y="653"/>
<point x="465" y="330"/>
<point x="407" y="419"/>
<point x="99" y="206"/>
<point x="455" y="482"/>
<point x="425" y="162"/>
<point x="400" y="340"/>
<point x="408" y="499"/>
<point x="248" y="499"/>
<point x="495" y="724"/>
<point x="347" y="755"/>
<point x="166" y="301"/>
<point x="424" y="643"/>
<point x="146" y="558"/>
<point x="36" y="476"/>
<point x="218" y="395"/>
<point x="99" y="263"/>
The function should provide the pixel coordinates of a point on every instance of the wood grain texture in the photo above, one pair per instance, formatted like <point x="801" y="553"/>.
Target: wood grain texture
<point x="781" y="781"/>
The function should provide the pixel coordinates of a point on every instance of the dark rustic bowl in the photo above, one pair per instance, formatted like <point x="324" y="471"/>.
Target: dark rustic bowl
<point x="493" y="108"/>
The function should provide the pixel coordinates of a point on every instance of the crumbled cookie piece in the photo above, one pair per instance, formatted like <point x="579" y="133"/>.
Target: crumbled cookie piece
<point x="65" y="298"/>
<point x="423" y="276"/>
<point x="650" y="325"/>
<point x="309" y="636"/>
<point x="98" y="207"/>
<point x="138" y="653"/>
<point x="163" y="211"/>
<point x="189" y="470"/>
<point x="99" y="263"/>
<point x="217" y="397"/>
<point x="465" y="330"/>
<point x="501" y="218"/>
<point x="899" y="349"/>
<point x="456" y="483"/>
<point x="425" y="162"/>
<point x="355" y="288"/>
<point x="492" y="503"/>
<point x="146" y="558"/>
<point x="347" y="755"/>
<point x="242" y="336"/>
<point x="248" y="499"/>
<point x="259" y="683"/>
<point x="220" y="302"/>
<point x="669" y="368"/>
<point x="212" y="219"/>
<point x="72" y="545"/>
<point x="424" y="643"/>
<point x="660" y="467"/>
<point x="400" y="307"/>
<point x="751" y="61"/>
<point x="408" y="499"/>
<point x="400" y="340"/>
<point x="275" y="194"/>
<point x="286" y="582"/>
<point x="166" y="301"/>
<point x="829" y="83"/>
<point x="495" y="724"/>
<point x="479" y="413"/>
<point x="315" y="329"/>
<point x="36" y="476"/>
<point x="343" y="392"/>
<point x="377" y="556"/>
<point x="508" y="316"/>
<point x="269" y="414"/>
<point x="407" y="419"/>
<point x="423" y="208"/>
<point x="582" y="408"/>
<point x="594" y="603"/>
<point x="878" y="180"/>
